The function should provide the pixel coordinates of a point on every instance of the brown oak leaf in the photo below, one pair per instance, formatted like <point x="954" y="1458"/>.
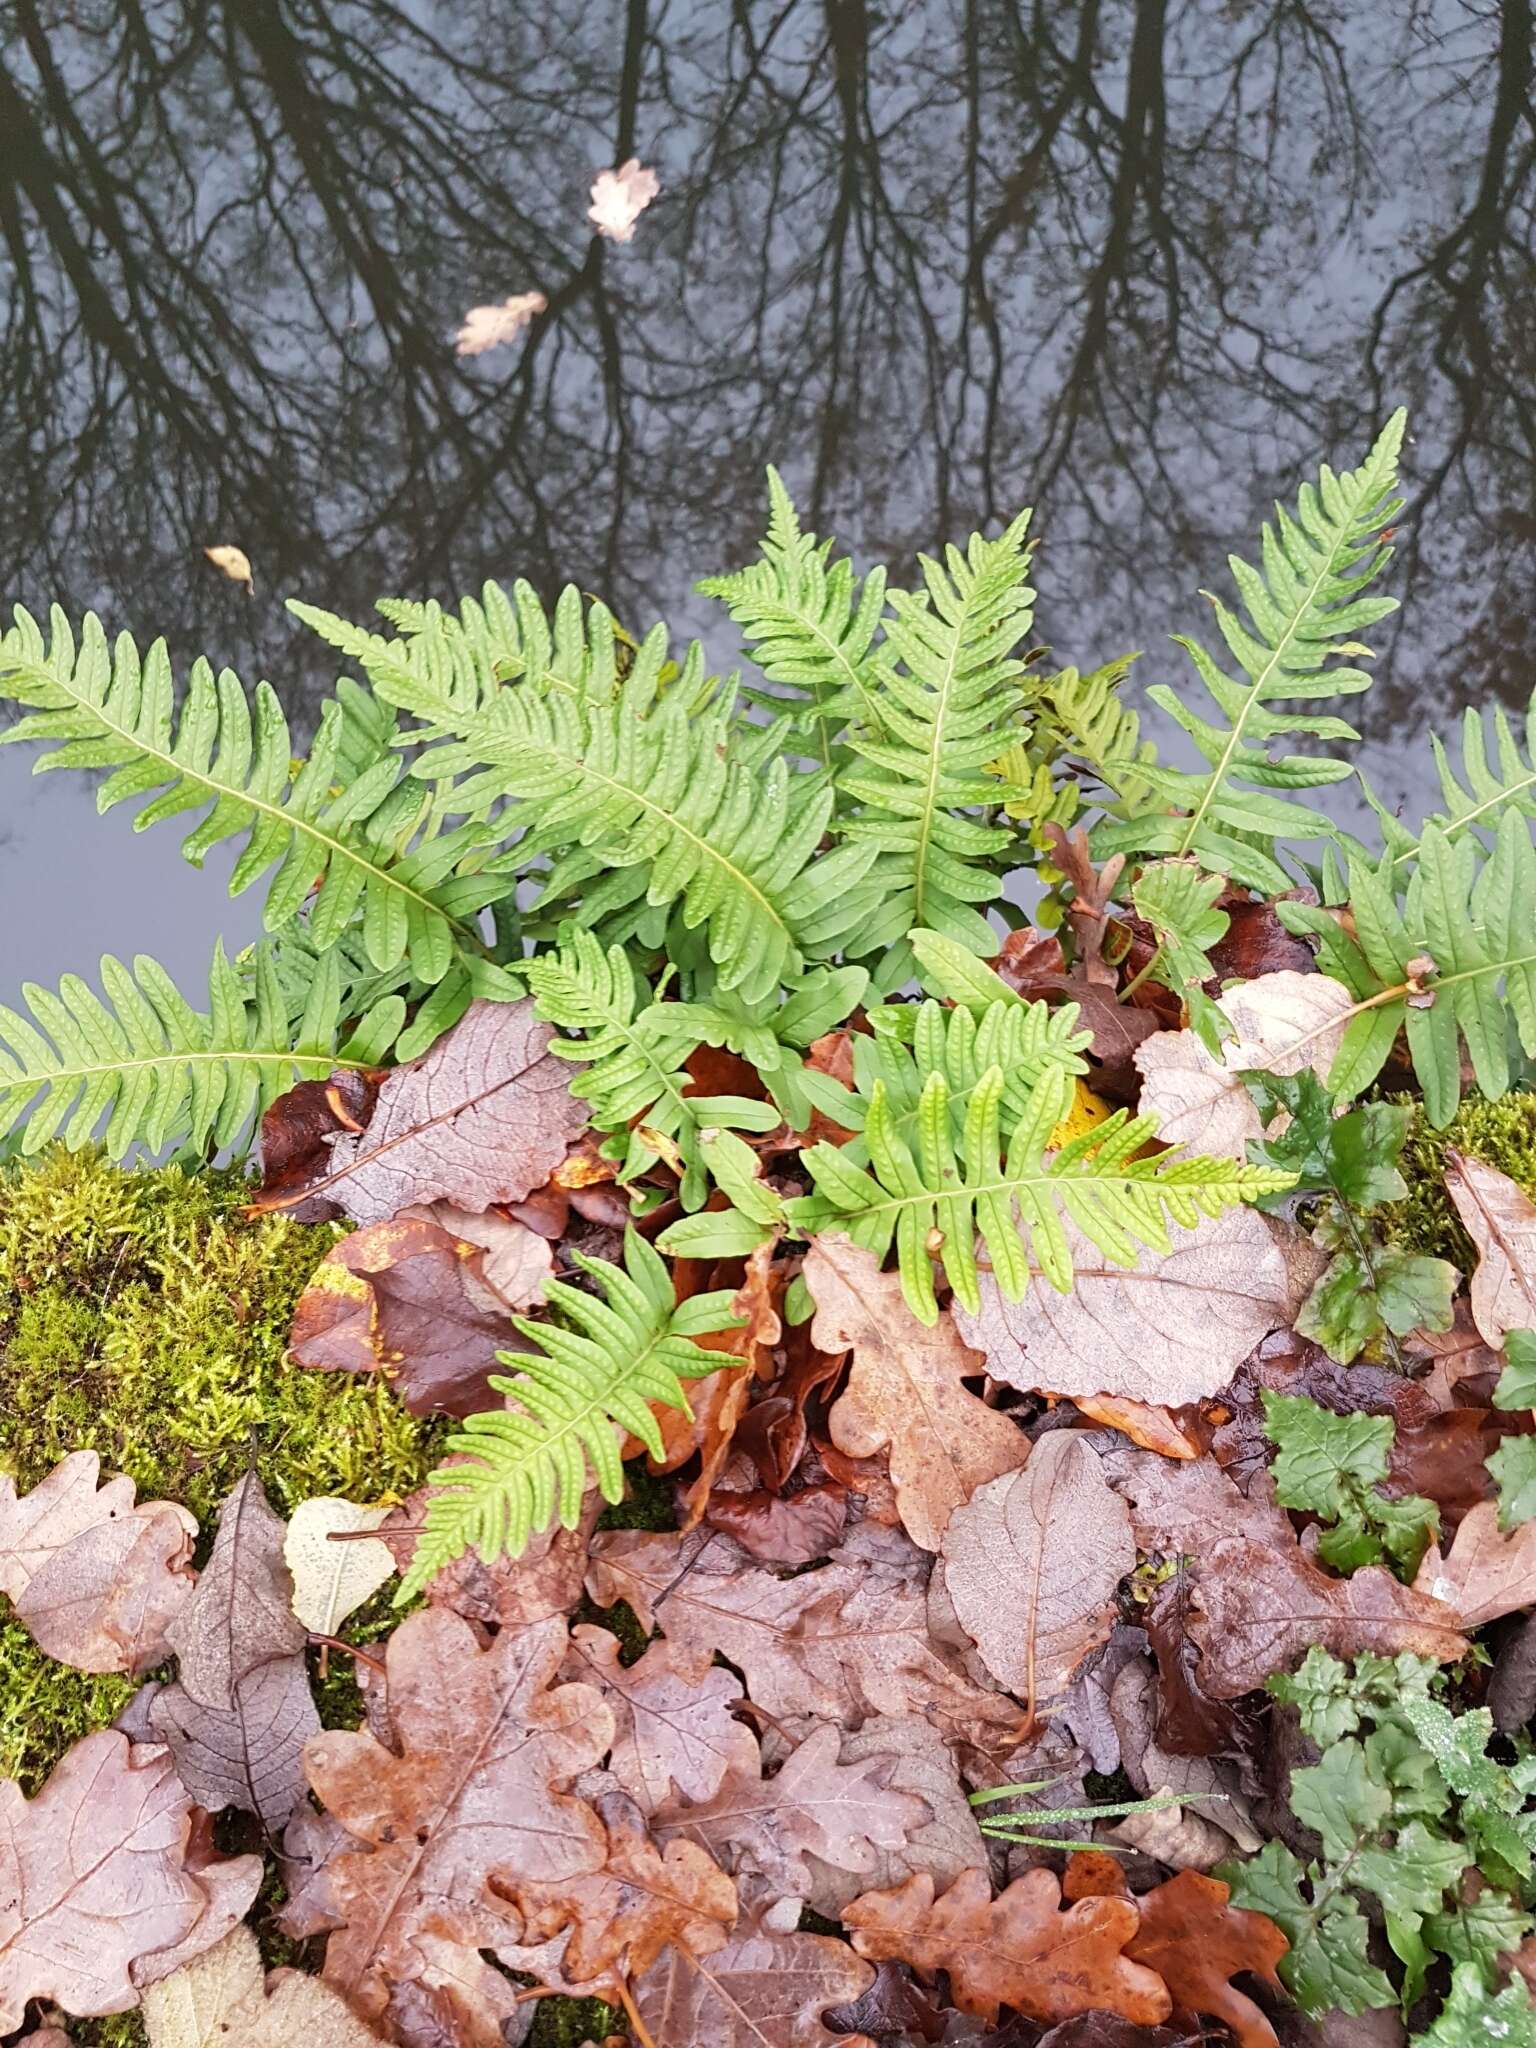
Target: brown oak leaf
<point x="764" y="1989"/>
<point x="1032" y="1562"/>
<point x="95" y="1580"/>
<point x="1197" y="1944"/>
<point x="546" y="1579"/>
<point x="1179" y="1508"/>
<point x="241" y="1614"/>
<point x="1262" y="1607"/>
<point x="1020" y="1949"/>
<point x="674" y="1733"/>
<point x="484" y="1116"/>
<point x="479" y="1790"/>
<point x="841" y="1814"/>
<point x="1500" y="1219"/>
<point x="1486" y="1572"/>
<point x="906" y="1391"/>
<point x="96" y="1881"/>
<point x="840" y="1642"/>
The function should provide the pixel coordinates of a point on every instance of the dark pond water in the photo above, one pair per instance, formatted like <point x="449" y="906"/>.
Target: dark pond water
<point x="1136" y="262"/>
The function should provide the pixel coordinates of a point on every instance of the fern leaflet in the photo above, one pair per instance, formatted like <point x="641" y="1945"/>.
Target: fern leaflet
<point x="590" y="1378"/>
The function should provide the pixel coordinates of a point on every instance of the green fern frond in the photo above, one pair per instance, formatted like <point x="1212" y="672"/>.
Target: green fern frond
<point x="1495" y="777"/>
<point x="949" y="703"/>
<point x="1084" y="716"/>
<point x="591" y="1377"/>
<point x="935" y="1198"/>
<point x="1457" y="963"/>
<point x="809" y="619"/>
<point x="1303" y="608"/>
<point x="161" y="1072"/>
<point x="342" y="825"/>
<point x="632" y="1054"/>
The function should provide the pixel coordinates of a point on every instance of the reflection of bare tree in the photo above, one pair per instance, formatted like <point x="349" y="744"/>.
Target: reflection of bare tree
<point x="1116" y="256"/>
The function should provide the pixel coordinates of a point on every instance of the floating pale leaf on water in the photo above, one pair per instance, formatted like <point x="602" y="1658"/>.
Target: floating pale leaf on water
<point x="487" y="327"/>
<point x="620" y="197"/>
<point x="235" y="563"/>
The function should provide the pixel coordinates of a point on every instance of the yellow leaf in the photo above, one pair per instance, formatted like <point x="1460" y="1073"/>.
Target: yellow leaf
<point x="1087" y="1110"/>
<point x="235" y="563"/>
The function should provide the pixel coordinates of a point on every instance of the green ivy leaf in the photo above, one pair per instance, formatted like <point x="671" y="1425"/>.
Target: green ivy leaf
<point x="1517" y="1382"/>
<point x="1323" y="1692"/>
<point x="1479" y="1930"/>
<point x="1323" y="1459"/>
<point x="1329" y="1968"/>
<point x="1353" y="1156"/>
<point x="1413" y="1876"/>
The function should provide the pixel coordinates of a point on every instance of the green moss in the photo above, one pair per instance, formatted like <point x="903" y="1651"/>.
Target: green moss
<point x="1502" y="1134"/>
<point x="567" y="2022"/>
<point x="44" y="1707"/>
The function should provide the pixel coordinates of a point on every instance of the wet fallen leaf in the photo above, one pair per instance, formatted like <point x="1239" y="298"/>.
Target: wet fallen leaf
<point x="1500" y="1219"/>
<point x="1255" y="943"/>
<point x="1197" y="1944"/>
<point x="514" y="1591"/>
<point x="718" y="1402"/>
<point x="774" y="1432"/>
<point x="479" y="1789"/>
<point x="1486" y="1572"/>
<point x="249" y="1755"/>
<point x="482" y="1117"/>
<point x="1031" y="1565"/>
<point x="241" y="1615"/>
<point x="1281" y="1023"/>
<point x="1512" y="1683"/>
<point x="674" y="1733"/>
<point x="95" y="1580"/>
<point x="518" y="1259"/>
<point x="1020" y="1949"/>
<point x="1178" y="1836"/>
<point x="620" y="197"/>
<point x="1169" y="1330"/>
<point x="1154" y="1429"/>
<point x="918" y="1761"/>
<point x="1262" y="1606"/>
<point x="225" y="1999"/>
<point x="1179" y="1507"/>
<point x="1135" y="1702"/>
<point x="1189" y="1721"/>
<point x="894" y="2008"/>
<point x="235" y="564"/>
<point x="95" y="1880"/>
<point x="905" y="1391"/>
<point x="776" y="1528"/>
<point x="487" y="327"/>
<point x="332" y="1579"/>
<point x="296" y="1134"/>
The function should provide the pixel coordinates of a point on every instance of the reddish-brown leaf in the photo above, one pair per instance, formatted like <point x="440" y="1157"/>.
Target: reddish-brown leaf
<point x="96" y="1883"/>
<point x="95" y="1580"/>
<point x="1020" y="1949"/>
<point x="1255" y="942"/>
<point x="764" y="1989"/>
<point x="1288" y="1364"/>
<point x="512" y="1592"/>
<point x="717" y="1403"/>
<point x="674" y="1733"/>
<point x="1445" y="1458"/>
<point x="1189" y="1721"/>
<point x="1486" y="1572"/>
<point x="1197" y="1944"/>
<point x="895" y="2007"/>
<point x="296" y="1137"/>
<point x="1171" y="1432"/>
<point x="782" y="1529"/>
<point x="775" y="1430"/>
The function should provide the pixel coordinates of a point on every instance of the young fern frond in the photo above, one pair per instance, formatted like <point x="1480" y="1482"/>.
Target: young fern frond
<point x="809" y="619"/>
<point x="1086" y="717"/>
<point x="1457" y="962"/>
<point x="934" y="1198"/>
<point x="1494" y="779"/>
<point x="590" y="1378"/>
<point x="949" y="703"/>
<point x="1303" y="607"/>
<point x="342" y="825"/>
<point x="632" y="1055"/>
<point x="161" y="1072"/>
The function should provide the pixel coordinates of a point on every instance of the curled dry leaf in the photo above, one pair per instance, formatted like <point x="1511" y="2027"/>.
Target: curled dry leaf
<point x="1171" y="1329"/>
<point x="1500" y="1219"/>
<point x="841" y="1642"/>
<point x="234" y="562"/>
<point x="906" y="1391"/>
<point x="96" y="1882"/>
<point x="296" y="1134"/>
<point x="249" y="1755"/>
<point x="95" y="1580"/>
<point x="674" y="1733"/>
<point x="224" y="1999"/>
<point x="483" y="1116"/>
<point x="479" y="1789"/>
<point x="332" y="1578"/>
<point x="764" y="1989"/>
<point x="841" y="1814"/>
<point x="241" y="1614"/>
<point x="1032" y="1562"/>
<point x="718" y="1402"/>
<point x="1263" y="1606"/>
<point x="1178" y="1836"/>
<point x="1154" y="1429"/>
<point x="1020" y="1949"/>
<point x="1486" y="1572"/>
<point x="487" y="327"/>
<point x="1197" y="1944"/>
<point x="1281" y="1023"/>
<point x="620" y="197"/>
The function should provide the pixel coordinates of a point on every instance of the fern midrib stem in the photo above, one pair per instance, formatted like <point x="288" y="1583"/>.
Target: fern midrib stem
<point x="1502" y="796"/>
<point x="840" y="660"/>
<point x="291" y="820"/>
<point x="198" y="1056"/>
<point x="1197" y="817"/>
<point x="969" y="1190"/>
<point x="930" y="788"/>
<point x="666" y="1085"/>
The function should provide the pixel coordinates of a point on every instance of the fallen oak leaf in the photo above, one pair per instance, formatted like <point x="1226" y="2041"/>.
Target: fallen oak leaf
<point x="331" y="1578"/>
<point x="905" y="1391"/>
<point x="483" y="1116"/>
<point x="1020" y="1949"/>
<point x="894" y="2008"/>
<point x="226" y="1999"/>
<point x="241" y="1614"/>
<point x="1500" y="1219"/>
<point x="1031" y="1565"/>
<point x="545" y="1580"/>
<point x="620" y="197"/>
<point x="674" y="1734"/>
<point x="1486" y="1572"/>
<point x="94" y="1879"/>
<point x="794" y="1528"/>
<point x="96" y="1580"/>
<point x="763" y="1989"/>
<point x="1197" y="1943"/>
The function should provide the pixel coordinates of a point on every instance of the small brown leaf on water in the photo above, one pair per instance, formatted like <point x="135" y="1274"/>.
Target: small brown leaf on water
<point x="487" y="327"/>
<point x="906" y="1391"/>
<point x="1262" y="1607"/>
<point x="484" y="1116"/>
<point x="226" y="1996"/>
<point x="95" y="1580"/>
<point x="235" y="564"/>
<point x="1032" y="1563"/>
<point x="1486" y="1572"/>
<point x="1020" y="1949"/>
<point x="1500" y="1219"/>
<point x="674" y="1733"/>
<point x="241" y="1615"/>
<point x="97" y="1880"/>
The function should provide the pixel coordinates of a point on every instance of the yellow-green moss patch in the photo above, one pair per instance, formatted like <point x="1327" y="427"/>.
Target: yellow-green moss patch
<point x="1502" y="1134"/>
